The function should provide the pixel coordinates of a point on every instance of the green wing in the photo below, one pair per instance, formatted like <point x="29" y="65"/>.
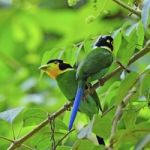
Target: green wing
<point x="68" y="85"/>
<point x="95" y="62"/>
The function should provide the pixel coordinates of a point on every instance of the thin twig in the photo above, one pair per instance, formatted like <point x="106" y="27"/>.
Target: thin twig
<point x="52" y="126"/>
<point x="108" y="110"/>
<point x="122" y="66"/>
<point x="27" y="147"/>
<point x="5" y="138"/>
<point x="18" y="142"/>
<point x="122" y="4"/>
<point x="59" y="142"/>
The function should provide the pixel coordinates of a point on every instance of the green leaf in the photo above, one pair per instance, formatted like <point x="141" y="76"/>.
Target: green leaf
<point x="128" y="45"/>
<point x="59" y="124"/>
<point x="145" y="113"/>
<point x="140" y="35"/>
<point x="143" y="142"/>
<point x="111" y="93"/>
<point x="86" y="131"/>
<point x="33" y="116"/>
<point x="145" y="85"/>
<point x="69" y="54"/>
<point x="146" y="13"/>
<point x="64" y="148"/>
<point x="129" y="116"/>
<point x="86" y="144"/>
<point x="72" y="2"/>
<point x="125" y="86"/>
<point x="130" y="136"/>
<point x="52" y="54"/>
<point x="102" y="125"/>
<point x="87" y="44"/>
<point x="11" y="114"/>
<point x="117" y="40"/>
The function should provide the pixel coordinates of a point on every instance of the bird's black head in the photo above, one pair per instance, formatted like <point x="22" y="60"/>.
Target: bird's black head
<point x="105" y="41"/>
<point x="60" y="63"/>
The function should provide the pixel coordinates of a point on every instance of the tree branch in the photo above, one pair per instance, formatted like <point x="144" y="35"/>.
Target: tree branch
<point x="18" y="142"/>
<point x="122" y="4"/>
<point x="134" y="58"/>
<point x="118" y="116"/>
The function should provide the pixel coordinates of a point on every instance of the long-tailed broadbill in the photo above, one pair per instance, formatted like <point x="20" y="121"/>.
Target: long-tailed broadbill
<point x="96" y="62"/>
<point x="65" y="75"/>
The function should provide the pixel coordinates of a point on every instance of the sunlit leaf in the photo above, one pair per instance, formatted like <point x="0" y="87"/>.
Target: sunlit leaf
<point x="10" y="115"/>
<point x="86" y="131"/>
<point x="64" y="148"/>
<point x="102" y="125"/>
<point x="146" y="13"/>
<point x="117" y="40"/>
<point x="145" y="85"/>
<point x="125" y="86"/>
<point x="33" y="116"/>
<point x="128" y="45"/>
<point x="140" y="34"/>
<point x="86" y="144"/>
<point x="60" y="124"/>
<point x="143" y="142"/>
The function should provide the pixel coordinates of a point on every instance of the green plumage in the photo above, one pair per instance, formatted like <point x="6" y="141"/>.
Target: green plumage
<point x="95" y="65"/>
<point x="68" y="84"/>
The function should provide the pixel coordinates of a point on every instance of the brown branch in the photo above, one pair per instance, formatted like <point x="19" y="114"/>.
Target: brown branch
<point x="122" y="4"/>
<point x="134" y="58"/>
<point x="19" y="142"/>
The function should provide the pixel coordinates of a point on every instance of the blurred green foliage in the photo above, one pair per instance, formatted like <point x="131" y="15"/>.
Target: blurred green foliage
<point x="33" y="31"/>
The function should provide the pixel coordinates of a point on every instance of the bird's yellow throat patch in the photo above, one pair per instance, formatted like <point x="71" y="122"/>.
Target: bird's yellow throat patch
<point x="53" y="71"/>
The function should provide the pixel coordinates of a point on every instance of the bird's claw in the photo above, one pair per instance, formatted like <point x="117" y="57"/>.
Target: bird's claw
<point x="66" y="107"/>
<point x="101" y="82"/>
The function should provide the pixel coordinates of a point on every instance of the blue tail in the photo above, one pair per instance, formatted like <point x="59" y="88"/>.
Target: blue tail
<point x="76" y="104"/>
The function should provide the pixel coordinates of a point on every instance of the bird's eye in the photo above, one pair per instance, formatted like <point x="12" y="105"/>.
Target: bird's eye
<point x="108" y="41"/>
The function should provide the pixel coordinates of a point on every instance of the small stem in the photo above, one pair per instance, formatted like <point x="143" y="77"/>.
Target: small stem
<point x="122" y="4"/>
<point x="13" y="132"/>
<point x="27" y="147"/>
<point x="2" y="137"/>
<point x="63" y="137"/>
<point x="122" y="66"/>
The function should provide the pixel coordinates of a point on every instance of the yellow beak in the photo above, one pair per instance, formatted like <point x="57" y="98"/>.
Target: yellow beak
<point x="43" y="67"/>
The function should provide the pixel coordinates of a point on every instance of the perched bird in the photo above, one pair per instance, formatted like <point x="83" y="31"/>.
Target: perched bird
<point x="96" y="62"/>
<point x="65" y="75"/>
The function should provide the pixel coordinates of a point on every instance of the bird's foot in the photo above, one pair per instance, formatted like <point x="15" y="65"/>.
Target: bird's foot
<point x="66" y="107"/>
<point x="122" y="66"/>
<point x="88" y="89"/>
<point x="101" y="82"/>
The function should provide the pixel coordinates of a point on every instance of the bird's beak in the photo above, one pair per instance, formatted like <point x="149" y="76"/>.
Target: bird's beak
<point x="43" y="67"/>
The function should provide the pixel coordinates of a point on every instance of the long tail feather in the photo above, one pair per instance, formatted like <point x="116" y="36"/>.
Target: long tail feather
<point x="76" y="104"/>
